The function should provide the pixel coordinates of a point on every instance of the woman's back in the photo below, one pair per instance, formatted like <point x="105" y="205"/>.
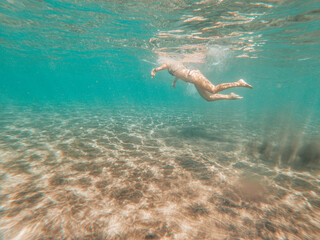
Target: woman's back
<point x="173" y="67"/>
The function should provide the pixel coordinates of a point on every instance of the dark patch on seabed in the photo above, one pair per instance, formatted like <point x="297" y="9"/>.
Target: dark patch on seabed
<point x="75" y="173"/>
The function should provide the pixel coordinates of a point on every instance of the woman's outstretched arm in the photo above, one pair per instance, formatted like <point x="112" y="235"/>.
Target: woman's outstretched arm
<point x="155" y="70"/>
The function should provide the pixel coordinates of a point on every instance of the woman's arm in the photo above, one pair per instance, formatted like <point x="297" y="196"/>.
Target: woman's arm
<point x="174" y="82"/>
<point x="155" y="70"/>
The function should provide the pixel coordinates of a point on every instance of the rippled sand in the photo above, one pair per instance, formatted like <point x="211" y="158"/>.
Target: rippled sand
<point x="76" y="173"/>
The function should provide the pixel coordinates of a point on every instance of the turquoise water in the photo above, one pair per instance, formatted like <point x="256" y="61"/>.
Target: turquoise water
<point x="92" y="148"/>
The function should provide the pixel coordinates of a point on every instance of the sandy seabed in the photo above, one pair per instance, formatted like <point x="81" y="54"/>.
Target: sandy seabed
<point x="80" y="173"/>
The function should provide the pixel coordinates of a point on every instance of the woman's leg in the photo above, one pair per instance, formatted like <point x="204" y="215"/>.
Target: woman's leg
<point x="224" y="86"/>
<point x="203" y="82"/>
<point x="213" y="97"/>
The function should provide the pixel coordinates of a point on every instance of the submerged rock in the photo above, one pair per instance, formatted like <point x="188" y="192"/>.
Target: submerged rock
<point x="151" y="235"/>
<point x="127" y="194"/>
<point x="315" y="203"/>
<point x="283" y="180"/>
<point x="197" y="209"/>
<point x="241" y="165"/>
<point x="302" y="185"/>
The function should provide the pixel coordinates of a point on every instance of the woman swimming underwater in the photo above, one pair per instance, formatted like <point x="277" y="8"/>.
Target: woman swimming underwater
<point x="204" y="87"/>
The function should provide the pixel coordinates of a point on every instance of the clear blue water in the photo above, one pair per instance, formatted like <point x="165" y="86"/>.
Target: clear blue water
<point x="92" y="148"/>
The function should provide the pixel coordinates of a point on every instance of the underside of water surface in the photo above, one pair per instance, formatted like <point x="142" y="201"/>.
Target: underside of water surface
<point x="92" y="148"/>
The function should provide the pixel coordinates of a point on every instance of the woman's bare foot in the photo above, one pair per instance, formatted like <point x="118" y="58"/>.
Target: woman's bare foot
<point x="243" y="83"/>
<point x="235" y="96"/>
